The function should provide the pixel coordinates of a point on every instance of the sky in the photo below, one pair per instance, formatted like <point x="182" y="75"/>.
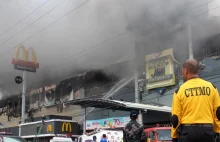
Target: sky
<point x="69" y="36"/>
<point x="214" y="4"/>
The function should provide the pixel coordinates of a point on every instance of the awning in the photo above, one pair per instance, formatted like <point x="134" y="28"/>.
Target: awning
<point x="117" y="105"/>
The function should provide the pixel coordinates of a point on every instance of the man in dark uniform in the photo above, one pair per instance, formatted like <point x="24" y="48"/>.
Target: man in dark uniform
<point x="195" y="107"/>
<point x="133" y="131"/>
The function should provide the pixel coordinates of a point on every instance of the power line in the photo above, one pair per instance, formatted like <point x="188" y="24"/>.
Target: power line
<point x="75" y="58"/>
<point x="33" y="22"/>
<point x="81" y="51"/>
<point x="22" y="20"/>
<point x="50" y="25"/>
<point x="47" y="25"/>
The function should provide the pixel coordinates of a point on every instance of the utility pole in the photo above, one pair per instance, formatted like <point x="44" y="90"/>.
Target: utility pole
<point x="84" y="125"/>
<point x="189" y="31"/>
<point x="137" y="97"/>
<point x="23" y="98"/>
<point x="23" y="101"/>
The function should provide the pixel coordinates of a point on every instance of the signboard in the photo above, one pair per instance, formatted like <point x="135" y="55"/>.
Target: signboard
<point x="107" y="123"/>
<point x="51" y="127"/>
<point x="160" y="69"/>
<point x="66" y="127"/>
<point x="25" y="64"/>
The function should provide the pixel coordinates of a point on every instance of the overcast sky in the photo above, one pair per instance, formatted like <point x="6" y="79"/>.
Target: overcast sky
<point x="67" y="36"/>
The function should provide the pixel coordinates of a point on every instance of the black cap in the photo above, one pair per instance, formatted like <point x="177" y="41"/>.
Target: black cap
<point x="133" y="114"/>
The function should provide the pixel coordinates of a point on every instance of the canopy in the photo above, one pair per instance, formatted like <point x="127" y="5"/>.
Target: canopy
<point x="117" y="105"/>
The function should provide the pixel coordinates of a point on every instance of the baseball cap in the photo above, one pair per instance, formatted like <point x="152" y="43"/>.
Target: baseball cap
<point x="133" y="114"/>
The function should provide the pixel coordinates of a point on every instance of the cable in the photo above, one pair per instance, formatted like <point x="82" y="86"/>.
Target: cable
<point x="48" y="26"/>
<point x="23" y="19"/>
<point x="86" y="49"/>
<point x="32" y="23"/>
<point x="75" y="58"/>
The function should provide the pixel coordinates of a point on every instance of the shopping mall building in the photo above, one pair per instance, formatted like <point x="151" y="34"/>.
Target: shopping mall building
<point x="156" y="66"/>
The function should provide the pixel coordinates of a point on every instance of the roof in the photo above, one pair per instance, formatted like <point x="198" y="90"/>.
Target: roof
<point x="117" y="105"/>
<point x="157" y="128"/>
<point x="51" y="120"/>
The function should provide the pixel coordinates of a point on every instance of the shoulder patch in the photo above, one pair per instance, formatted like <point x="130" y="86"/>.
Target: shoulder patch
<point x="177" y="90"/>
<point x="214" y="86"/>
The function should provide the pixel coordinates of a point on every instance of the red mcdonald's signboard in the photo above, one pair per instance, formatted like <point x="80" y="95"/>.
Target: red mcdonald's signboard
<point x="25" y="64"/>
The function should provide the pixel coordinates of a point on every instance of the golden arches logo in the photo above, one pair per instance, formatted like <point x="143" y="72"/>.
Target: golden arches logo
<point x="49" y="128"/>
<point x="66" y="127"/>
<point x="25" y="53"/>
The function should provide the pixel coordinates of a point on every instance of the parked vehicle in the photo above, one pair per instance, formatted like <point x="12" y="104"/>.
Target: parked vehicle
<point x="8" y="137"/>
<point x="112" y="135"/>
<point x="158" y="134"/>
<point x="61" y="139"/>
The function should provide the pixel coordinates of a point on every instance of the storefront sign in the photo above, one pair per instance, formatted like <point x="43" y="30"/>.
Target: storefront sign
<point x="66" y="127"/>
<point x="107" y="123"/>
<point x="160" y="69"/>
<point x="49" y="128"/>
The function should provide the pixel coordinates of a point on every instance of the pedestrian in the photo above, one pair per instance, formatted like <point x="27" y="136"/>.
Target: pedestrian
<point x="133" y="131"/>
<point x="94" y="139"/>
<point x="195" y="107"/>
<point x="104" y="138"/>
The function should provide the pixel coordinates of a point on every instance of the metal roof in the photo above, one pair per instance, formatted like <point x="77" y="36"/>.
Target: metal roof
<point x="117" y="105"/>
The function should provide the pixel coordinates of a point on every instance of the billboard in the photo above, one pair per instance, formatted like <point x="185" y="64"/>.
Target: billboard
<point x="114" y="122"/>
<point x="160" y="69"/>
<point x="25" y="64"/>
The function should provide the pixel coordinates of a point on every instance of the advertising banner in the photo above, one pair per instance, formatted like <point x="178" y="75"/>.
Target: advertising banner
<point x="160" y="69"/>
<point x="107" y="123"/>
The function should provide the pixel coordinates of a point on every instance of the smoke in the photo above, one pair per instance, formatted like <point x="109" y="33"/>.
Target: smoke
<point x="94" y="36"/>
<point x="159" y="25"/>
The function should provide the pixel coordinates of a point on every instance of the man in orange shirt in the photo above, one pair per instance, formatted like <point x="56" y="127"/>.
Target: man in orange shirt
<point x="195" y="107"/>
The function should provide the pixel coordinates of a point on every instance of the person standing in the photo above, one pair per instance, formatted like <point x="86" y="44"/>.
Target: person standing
<point x="133" y="131"/>
<point x="195" y="107"/>
<point x="94" y="139"/>
<point x="104" y="138"/>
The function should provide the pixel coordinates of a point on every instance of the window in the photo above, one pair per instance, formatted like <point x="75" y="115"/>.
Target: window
<point x="164" y="135"/>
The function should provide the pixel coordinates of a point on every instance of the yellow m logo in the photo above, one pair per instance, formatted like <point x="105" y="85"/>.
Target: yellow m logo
<point x="25" y="54"/>
<point x="66" y="127"/>
<point x="49" y="128"/>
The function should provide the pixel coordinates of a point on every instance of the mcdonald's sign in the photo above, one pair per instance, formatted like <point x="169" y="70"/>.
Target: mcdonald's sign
<point x="66" y="127"/>
<point x="49" y="128"/>
<point x="25" y="64"/>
